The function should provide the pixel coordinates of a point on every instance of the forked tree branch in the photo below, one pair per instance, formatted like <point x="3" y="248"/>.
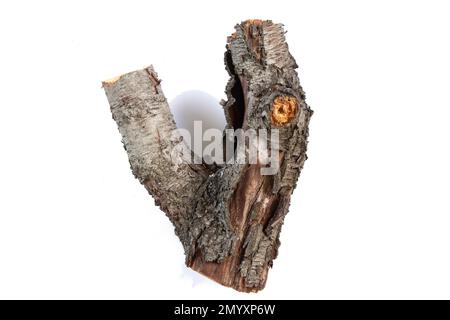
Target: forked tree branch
<point x="228" y="217"/>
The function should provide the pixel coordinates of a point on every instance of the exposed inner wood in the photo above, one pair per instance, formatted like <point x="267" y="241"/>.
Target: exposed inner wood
<point x="111" y="81"/>
<point x="284" y="109"/>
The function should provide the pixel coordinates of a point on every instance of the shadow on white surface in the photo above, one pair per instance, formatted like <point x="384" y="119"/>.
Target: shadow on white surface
<point x="193" y="277"/>
<point x="196" y="105"/>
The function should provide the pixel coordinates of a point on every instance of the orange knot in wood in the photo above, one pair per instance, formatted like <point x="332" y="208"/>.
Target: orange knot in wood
<point x="284" y="109"/>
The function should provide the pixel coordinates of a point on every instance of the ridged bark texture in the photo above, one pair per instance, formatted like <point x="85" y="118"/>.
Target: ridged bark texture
<point x="228" y="217"/>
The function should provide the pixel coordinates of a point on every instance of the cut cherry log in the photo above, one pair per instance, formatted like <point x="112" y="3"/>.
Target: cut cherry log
<point x="228" y="216"/>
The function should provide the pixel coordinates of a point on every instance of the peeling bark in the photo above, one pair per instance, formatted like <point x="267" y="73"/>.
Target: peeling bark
<point x="228" y="217"/>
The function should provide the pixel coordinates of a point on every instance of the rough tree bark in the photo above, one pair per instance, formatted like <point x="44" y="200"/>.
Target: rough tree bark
<point x="228" y="217"/>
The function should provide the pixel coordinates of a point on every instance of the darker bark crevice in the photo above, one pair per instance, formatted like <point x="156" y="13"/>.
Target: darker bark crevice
<point x="236" y="110"/>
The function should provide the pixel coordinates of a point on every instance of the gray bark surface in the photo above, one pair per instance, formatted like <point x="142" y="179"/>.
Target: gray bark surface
<point x="228" y="217"/>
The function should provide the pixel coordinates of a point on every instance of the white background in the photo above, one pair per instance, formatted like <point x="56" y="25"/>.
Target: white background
<point x="369" y="219"/>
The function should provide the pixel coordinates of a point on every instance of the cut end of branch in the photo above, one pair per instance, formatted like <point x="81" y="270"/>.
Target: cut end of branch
<point x="284" y="109"/>
<point x="253" y="22"/>
<point x="111" y="81"/>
